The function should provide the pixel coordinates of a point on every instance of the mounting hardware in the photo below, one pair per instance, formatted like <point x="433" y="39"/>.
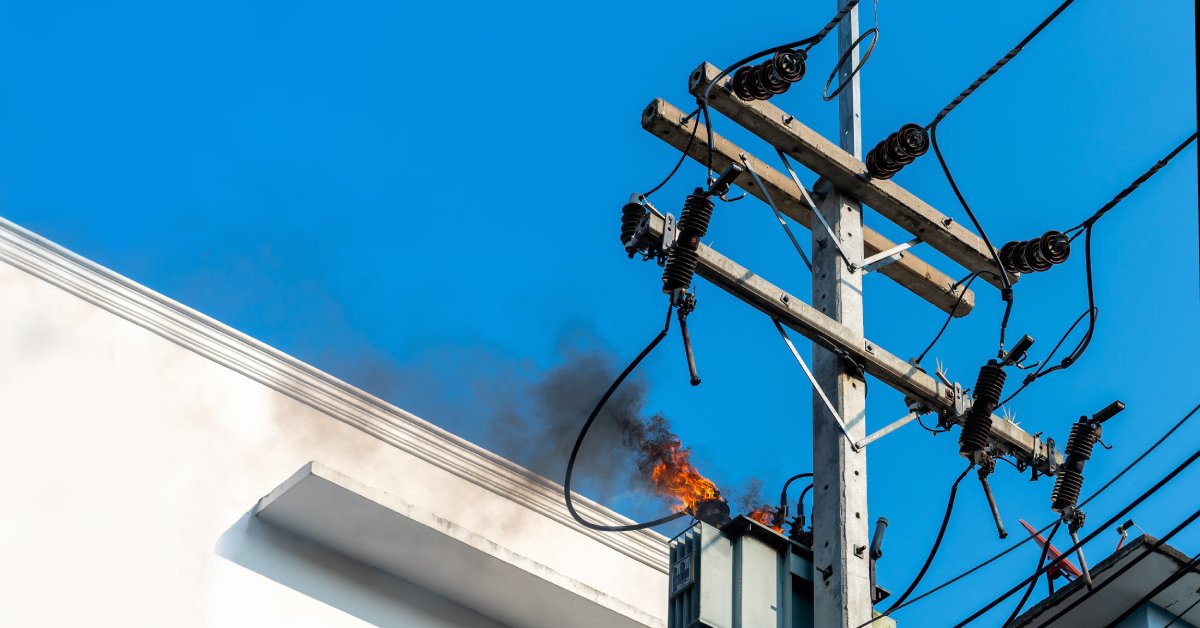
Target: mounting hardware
<point x="897" y="151"/>
<point x="1036" y="255"/>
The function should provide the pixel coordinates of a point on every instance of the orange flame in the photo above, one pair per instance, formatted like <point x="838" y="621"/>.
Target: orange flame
<point x="766" y="515"/>
<point x="671" y="472"/>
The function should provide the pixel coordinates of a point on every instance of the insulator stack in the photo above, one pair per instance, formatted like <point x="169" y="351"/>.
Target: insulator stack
<point x="771" y="77"/>
<point x="1036" y="255"/>
<point x="897" y="151"/>
<point x="1070" y="475"/>
<point x="683" y="258"/>
<point x="978" y="426"/>
<point x="631" y="215"/>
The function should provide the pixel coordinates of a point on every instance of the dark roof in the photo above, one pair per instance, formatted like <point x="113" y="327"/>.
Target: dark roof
<point x="1117" y="597"/>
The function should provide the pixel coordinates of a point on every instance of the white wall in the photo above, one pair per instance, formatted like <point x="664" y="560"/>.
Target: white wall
<point x="126" y="459"/>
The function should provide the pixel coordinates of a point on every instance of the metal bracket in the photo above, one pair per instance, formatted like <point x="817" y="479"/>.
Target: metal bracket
<point x="884" y="431"/>
<point x="668" y="233"/>
<point x="883" y="258"/>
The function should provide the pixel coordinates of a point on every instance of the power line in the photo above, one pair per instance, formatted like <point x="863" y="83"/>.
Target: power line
<point x="1126" y="567"/>
<point x="937" y="542"/>
<point x="1029" y="590"/>
<point x="965" y="282"/>
<point x="1103" y="527"/>
<point x="983" y="78"/>
<point x="587" y="425"/>
<point x="1162" y="586"/>
<point x="1162" y="439"/>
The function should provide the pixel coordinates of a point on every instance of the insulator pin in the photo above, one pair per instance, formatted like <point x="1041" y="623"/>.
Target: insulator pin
<point x="683" y="257"/>
<point x="631" y="215"/>
<point x="897" y="151"/>
<point x="977" y="427"/>
<point x="1069" y="482"/>
<point x="771" y="77"/>
<point x="1036" y="255"/>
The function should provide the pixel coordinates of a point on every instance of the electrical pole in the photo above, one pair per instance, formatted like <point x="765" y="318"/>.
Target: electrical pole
<point x="840" y="535"/>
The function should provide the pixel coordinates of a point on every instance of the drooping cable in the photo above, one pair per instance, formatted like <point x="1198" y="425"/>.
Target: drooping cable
<point x="587" y="425"/>
<point x="807" y="42"/>
<point x="1006" y="291"/>
<point x="1092" y="313"/>
<point x="1044" y="368"/>
<point x="1041" y="561"/>
<point x="1100" y="529"/>
<point x="682" y="158"/>
<point x="1145" y="552"/>
<point x="1162" y="439"/>
<point x="937" y="542"/>
<point x="983" y="78"/>
<point x="965" y="282"/>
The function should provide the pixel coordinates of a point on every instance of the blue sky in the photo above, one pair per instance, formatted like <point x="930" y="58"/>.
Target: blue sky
<point x="424" y="200"/>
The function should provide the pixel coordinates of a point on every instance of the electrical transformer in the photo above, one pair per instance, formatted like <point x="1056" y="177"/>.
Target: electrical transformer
<point x="742" y="575"/>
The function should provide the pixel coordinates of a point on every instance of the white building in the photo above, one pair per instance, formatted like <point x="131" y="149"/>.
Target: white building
<point x="160" y="469"/>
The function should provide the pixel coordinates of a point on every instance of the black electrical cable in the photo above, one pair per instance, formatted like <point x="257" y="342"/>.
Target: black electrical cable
<point x="937" y="542"/>
<point x="1147" y="551"/>
<point x="807" y="42"/>
<point x="682" y="158"/>
<point x="800" y="502"/>
<point x="930" y="429"/>
<point x="798" y="476"/>
<point x="1093" y="312"/>
<point x="965" y="282"/>
<point x="1162" y="586"/>
<point x="1041" y="560"/>
<point x="1181" y="614"/>
<point x="1133" y="186"/>
<point x="1006" y="292"/>
<point x="1162" y="439"/>
<point x="983" y="78"/>
<point x="1102" y="528"/>
<point x="1045" y="369"/>
<point x="583" y="434"/>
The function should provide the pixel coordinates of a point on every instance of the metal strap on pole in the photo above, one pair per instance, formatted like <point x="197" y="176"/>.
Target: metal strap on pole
<point x="813" y="379"/>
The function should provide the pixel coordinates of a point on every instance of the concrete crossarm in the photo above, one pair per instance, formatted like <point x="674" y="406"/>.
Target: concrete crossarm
<point x="812" y="324"/>
<point x="849" y="174"/>
<point x="666" y="122"/>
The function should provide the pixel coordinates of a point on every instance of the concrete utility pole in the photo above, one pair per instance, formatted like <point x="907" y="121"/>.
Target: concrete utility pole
<point x="840" y="536"/>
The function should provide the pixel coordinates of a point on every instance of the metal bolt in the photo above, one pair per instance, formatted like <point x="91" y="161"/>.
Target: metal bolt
<point x="870" y="348"/>
<point x="787" y="119"/>
<point x="784" y="297"/>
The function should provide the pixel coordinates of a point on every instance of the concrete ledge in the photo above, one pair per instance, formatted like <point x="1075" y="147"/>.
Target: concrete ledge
<point x="381" y="530"/>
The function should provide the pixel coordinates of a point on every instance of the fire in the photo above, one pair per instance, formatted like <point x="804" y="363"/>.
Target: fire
<point x="766" y="515"/>
<point x="671" y="472"/>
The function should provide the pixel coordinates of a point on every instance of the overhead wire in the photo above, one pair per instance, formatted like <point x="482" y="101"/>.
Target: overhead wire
<point x="937" y="542"/>
<point x="1162" y="586"/>
<point x="1145" y="552"/>
<point x="807" y="42"/>
<point x="1006" y="291"/>
<point x="1180" y="614"/>
<point x="587" y="426"/>
<point x="1041" y="560"/>
<point x="1101" y="528"/>
<point x="1092" y="313"/>
<point x="682" y="158"/>
<point x="965" y="282"/>
<point x="1113" y="480"/>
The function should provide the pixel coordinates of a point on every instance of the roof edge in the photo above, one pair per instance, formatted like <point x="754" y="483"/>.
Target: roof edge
<point x="283" y="373"/>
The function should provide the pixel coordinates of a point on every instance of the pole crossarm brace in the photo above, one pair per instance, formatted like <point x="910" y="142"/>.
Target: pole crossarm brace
<point x="665" y="121"/>
<point x="887" y="368"/>
<point x="845" y="172"/>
